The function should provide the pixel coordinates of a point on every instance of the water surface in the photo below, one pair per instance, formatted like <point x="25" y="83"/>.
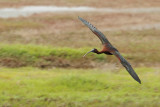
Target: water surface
<point x="29" y="10"/>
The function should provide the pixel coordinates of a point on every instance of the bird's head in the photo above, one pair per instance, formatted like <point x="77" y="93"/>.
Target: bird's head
<point x="93" y="50"/>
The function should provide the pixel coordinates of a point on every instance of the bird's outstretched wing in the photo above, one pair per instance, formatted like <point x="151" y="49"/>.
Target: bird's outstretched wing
<point x="95" y="31"/>
<point x="127" y="66"/>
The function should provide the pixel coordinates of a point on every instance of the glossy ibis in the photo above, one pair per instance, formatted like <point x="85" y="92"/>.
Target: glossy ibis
<point x="109" y="49"/>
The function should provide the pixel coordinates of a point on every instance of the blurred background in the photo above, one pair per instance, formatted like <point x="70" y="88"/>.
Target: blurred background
<point x="42" y="44"/>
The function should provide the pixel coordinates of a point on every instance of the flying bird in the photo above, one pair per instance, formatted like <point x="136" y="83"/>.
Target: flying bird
<point x="109" y="49"/>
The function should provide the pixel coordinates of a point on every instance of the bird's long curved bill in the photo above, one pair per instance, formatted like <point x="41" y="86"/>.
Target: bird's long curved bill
<point x="87" y="53"/>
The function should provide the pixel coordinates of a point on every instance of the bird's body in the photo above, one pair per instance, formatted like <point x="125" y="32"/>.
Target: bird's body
<point x="109" y="49"/>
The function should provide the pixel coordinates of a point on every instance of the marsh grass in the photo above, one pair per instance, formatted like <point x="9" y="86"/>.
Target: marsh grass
<point x="19" y="50"/>
<point x="17" y="55"/>
<point x="83" y="87"/>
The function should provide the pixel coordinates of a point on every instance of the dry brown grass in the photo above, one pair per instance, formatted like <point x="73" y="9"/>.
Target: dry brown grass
<point x="64" y="29"/>
<point x="94" y="3"/>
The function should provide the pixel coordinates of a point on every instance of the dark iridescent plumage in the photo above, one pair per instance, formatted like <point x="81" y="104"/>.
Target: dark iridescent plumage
<point x="110" y="50"/>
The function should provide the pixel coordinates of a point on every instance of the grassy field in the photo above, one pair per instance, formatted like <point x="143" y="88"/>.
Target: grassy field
<point x="18" y="55"/>
<point x="41" y="62"/>
<point x="33" y="87"/>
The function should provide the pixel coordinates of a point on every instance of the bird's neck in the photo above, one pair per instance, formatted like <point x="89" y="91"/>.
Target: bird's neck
<point x="98" y="52"/>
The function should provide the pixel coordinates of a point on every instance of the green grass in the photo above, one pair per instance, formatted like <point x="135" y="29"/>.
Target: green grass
<point x="36" y="51"/>
<point x="33" y="55"/>
<point x="32" y="87"/>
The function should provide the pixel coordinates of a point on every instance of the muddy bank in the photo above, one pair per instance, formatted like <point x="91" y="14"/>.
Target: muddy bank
<point x="50" y="62"/>
<point x="57" y="62"/>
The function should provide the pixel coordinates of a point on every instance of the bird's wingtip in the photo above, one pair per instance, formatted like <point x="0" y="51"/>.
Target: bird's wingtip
<point x="79" y="17"/>
<point x="139" y="81"/>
